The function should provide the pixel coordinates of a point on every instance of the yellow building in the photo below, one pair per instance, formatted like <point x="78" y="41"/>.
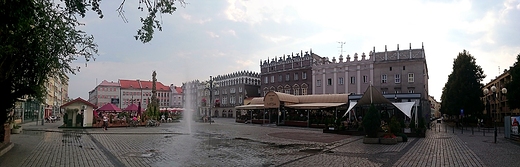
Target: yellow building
<point x="57" y="95"/>
<point x="496" y="102"/>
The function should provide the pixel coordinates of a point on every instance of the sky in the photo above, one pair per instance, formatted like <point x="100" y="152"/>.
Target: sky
<point x="208" y="38"/>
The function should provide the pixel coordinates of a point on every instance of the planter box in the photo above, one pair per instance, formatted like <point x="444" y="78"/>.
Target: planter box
<point x="399" y="139"/>
<point x="368" y="140"/>
<point x="388" y="140"/>
<point x="16" y="130"/>
<point x="407" y="130"/>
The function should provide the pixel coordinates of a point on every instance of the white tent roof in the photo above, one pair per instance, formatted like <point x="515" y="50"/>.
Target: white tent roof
<point x="405" y="107"/>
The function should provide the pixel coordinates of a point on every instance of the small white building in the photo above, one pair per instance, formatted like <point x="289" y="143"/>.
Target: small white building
<point x="75" y="108"/>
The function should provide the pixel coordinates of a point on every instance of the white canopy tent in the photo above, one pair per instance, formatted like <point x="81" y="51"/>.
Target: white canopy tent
<point x="405" y="107"/>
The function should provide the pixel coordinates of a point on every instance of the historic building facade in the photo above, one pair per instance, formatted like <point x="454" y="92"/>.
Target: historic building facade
<point x="400" y="75"/>
<point x="289" y="74"/>
<point x="126" y="92"/>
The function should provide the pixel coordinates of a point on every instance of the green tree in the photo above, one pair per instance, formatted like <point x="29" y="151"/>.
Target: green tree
<point x="40" y="38"/>
<point x="463" y="88"/>
<point x="513" y="87"/>
<point x="372" y="122"/>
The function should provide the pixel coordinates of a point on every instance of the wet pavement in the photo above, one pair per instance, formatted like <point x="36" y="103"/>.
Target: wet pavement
<point x="226" y="143"/>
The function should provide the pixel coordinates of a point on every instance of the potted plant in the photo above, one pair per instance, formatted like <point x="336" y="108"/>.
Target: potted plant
<point x="395" y="128"/>
<point x="389" y="138"/>
<point x="16" y="129"/>
<point x="371" y="124"/>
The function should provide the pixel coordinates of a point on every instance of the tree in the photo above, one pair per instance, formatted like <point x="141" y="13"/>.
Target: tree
<point x="513" y="88"/>
<point x="463" y="88"/>
<point x="40" y="38"/>
<point x="372" y="122"/>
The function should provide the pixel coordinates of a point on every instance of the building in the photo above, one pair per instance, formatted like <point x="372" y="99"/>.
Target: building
<point x="57" y="95"/>
<point x="126" y="92"/>
<point x="435" y="107"/>
<point x="498" y="103"/>
<point x="289" y="74"/>
<point x="105" y="92"/>
<point x="192" y="96"/>
<point x="176" y="96"/>
<point x="400" y="75"/>
<point x="231" y="90"/>
<point x="343" y="77"/>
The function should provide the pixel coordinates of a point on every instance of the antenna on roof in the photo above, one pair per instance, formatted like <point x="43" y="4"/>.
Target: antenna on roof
<point x="341" y="47"/>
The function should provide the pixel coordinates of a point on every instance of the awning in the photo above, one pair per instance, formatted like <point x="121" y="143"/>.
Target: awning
<point x="352" y="105"/>
<point x="314" y="105"/>
<point x="405" y="107"/>
<point x="250" y="107"/>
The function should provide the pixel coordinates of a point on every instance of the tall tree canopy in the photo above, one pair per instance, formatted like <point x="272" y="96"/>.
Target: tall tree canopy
<point x="513" y="87"/>
<point x="463" y="89"/>
<point x="40" y="38"/>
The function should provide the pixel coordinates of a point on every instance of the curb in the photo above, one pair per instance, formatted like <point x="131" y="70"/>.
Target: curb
<point x="6" y="148"/>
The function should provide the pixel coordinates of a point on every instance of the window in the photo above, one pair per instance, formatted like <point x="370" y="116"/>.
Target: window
<point x="318" y="83"/>
<point x="365" y="79"/>
<point x="295" y="76"/>
<point x="411" y="91"/>
<point x="287" y="77"/>
<point x="329" y="81"/>
<point x="383" y="91"/>
<point x="383" y="78"/>
<point x="404" y="68"/>
<point x="272" y="79"/>
<point x="304" y="91"/>
<point x="296" y="91"/>
<point x="266" y="80"/>
<point x="352" y="80"/>
<point x="410" y="77"/>
<point x="390" y="68"/>
<point x="239" y="89"/>
<point x="240" y="99"/>
<point x="341" y="81"/>
<point x="304" y="75"/>
<point x="397" y="78"/>
<point x="287" y="91"/>
<point x="280" y="78"/>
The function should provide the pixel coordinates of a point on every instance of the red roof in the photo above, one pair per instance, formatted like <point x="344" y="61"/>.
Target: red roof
<point x="179" y="90"/>
<point x="159" y="86"/>
<point x="109" y="107"/>
<point x="78" y="100"/>
<point x="146" y="84"/>
<point x="129" y="84"/>
<point x="131" y="107"/>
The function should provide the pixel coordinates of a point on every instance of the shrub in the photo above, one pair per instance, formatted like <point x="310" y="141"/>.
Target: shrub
<point x="405" y="138"/>
<point x="372" y="122"/>
<point x="395" y="126"/>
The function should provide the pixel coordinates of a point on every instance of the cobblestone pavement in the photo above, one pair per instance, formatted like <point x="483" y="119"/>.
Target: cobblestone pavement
<point x="226" y="143"/>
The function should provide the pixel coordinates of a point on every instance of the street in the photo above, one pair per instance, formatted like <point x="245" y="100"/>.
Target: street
<point x="226" y="143"/>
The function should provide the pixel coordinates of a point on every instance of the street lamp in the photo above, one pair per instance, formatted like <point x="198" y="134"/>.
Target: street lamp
<point x="210" y="86"/>
<point x="495" y="98"/>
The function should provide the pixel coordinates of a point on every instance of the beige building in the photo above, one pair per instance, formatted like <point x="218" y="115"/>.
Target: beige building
<point x="57" y="95"/>
<point x="498" y="102"/>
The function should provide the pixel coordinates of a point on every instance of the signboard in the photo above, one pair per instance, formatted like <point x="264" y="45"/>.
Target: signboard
<point x="514" y="124"/>
<point x="114" y="101"/>
<point x="271" y="100"/>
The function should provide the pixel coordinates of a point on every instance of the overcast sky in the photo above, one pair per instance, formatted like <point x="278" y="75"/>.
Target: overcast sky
<point x="219" y="37"/>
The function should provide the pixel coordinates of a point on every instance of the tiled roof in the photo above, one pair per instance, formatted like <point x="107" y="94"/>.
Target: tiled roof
<point x="161" y="87"/>
<point x="106" y="83"/>
<point x="146" y="84"/>
<point x="78" y="100"/>
<point x="179" y="90"/>
<point x="129" y="84"/>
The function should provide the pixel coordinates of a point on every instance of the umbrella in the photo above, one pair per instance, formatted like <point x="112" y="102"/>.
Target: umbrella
<point x="109" y="107"/>
<point x="131" y="107"/>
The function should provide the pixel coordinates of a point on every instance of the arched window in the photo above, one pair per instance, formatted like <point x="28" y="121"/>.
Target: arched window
<point x="304" y="88"/>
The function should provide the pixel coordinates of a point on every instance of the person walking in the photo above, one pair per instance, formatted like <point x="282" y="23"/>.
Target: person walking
<point x="105" y="122"/>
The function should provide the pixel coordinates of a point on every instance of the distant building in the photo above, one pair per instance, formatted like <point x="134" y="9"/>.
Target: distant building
<point x="176" y="96"/>
<point x="400" y="75"/>
<point x="126" y="92"/>
<point x="498" y="104"/>
<point x="289" y="74"/>
<point x="435" y="107"/>
<point x="231" y="91"/>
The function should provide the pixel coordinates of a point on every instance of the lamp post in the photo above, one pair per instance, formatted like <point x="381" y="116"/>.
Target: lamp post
<point x="495" y="98"/>
<point x="210" y="85"/>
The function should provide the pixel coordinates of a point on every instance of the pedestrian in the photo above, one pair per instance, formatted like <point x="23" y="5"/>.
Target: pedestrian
<point x="105" y="122"/>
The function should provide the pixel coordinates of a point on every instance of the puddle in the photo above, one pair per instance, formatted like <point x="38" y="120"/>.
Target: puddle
<point x="146" y="154"/>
